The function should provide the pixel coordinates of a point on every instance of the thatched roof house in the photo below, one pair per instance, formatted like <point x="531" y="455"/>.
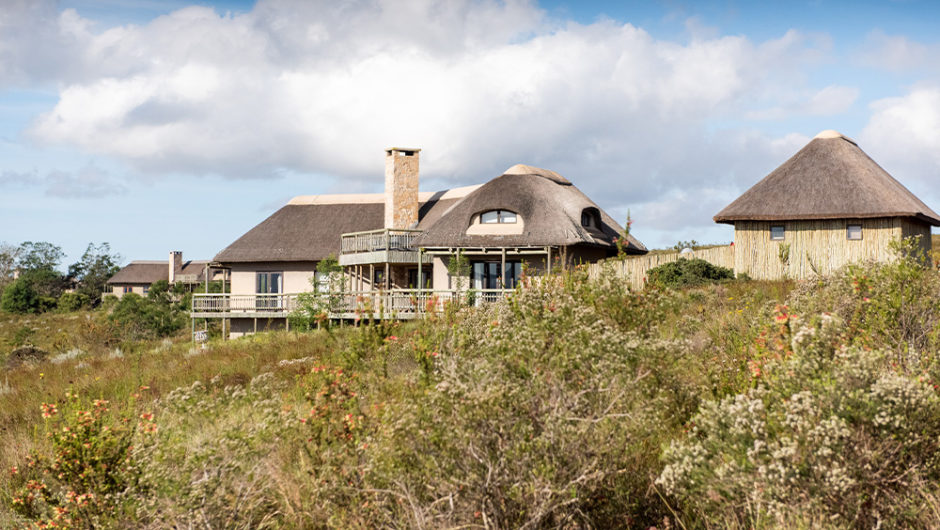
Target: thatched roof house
<point x="828" y="205"/>
<point x="403" y="238"/>
<point x="550" y="211"/>
<point x="137" y="276"/>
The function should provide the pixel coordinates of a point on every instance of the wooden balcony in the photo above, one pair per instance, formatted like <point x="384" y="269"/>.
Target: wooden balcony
<point x="226" y="305"/>
<point x="387" y="245"/>
<point x="397" y="304"/>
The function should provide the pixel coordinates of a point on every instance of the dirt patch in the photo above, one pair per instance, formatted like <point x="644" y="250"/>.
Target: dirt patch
<point x="25" y="355"/>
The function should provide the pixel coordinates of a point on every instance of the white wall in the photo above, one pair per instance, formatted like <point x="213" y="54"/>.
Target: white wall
<point x="296" y="277"/>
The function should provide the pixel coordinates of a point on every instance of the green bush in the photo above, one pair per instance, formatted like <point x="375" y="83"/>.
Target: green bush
<point x="19" y="297"/>
<point x="152" y="317"/>
<point x="69" y="302"/>
<point x="687" y="272"/>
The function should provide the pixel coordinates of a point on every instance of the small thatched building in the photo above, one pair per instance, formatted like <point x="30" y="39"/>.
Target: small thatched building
<point x="137" y="276"/>
<point x="828" y="205"/>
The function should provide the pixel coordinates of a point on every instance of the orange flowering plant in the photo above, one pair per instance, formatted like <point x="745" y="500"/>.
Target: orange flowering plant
<point x="83" y="479"/>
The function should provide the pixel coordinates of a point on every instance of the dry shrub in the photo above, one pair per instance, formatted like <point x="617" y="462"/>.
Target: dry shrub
<point x="834" y="432"/>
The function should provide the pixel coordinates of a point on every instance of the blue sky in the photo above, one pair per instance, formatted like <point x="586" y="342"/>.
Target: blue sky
<point x="173" y="125"/>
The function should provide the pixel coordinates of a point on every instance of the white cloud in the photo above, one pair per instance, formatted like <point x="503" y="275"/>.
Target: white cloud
<point x="903" y="135"/>
<point x="323" y="87"/>
<point x="895" y="53"/>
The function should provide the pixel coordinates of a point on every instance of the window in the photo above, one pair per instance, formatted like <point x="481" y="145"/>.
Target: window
<point x="853" y="232"/>
<point x="776" y="233"/>
<point x="146" y="289"/>
<point x="378" y="279"/>
<point x="497" y="216"/>
<point x="128" y="289"/>
<point x="485" y="274"/>
<point x="270" y="282"/>
<point x="590" y="218"/>
<point x="413" y="278"/>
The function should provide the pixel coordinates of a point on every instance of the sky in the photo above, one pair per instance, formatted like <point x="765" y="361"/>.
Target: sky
<point x="177" y="125"/>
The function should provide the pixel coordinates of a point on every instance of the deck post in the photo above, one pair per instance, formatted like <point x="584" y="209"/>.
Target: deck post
<point x="420" y="282"/>
<point x="548" y="251"/>
<point x="388" y="280"/>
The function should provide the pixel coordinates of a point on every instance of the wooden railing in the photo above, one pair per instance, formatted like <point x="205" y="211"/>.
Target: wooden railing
<point x="243" y="303"/>
<point x="390" y="304"/>
<point x="385" y="239"/>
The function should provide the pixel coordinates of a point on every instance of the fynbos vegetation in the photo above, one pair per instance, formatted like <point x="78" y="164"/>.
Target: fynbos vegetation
<point x="573" y="404"/>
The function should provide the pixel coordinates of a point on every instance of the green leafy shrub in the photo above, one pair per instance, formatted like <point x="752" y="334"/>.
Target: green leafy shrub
<point x="152" y="317"/>
<point x="687" y="272"/>
<point x="20" y="297"/>
<point x="72" y="302"/>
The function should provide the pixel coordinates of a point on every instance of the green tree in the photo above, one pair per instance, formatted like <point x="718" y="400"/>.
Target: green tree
<point x="40" y="255"/>
<point x="155" y="316"/>
<point x="93" y="270"/>
<point x="8" y="258"/>
<point x="19" y="297"/>
<point x="37" y="264"/>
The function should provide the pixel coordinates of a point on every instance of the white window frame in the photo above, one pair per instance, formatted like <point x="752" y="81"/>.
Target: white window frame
<point x="502" y="217"/>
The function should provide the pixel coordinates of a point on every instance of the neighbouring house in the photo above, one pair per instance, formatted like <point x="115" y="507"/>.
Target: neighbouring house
<point x="404" y="239"/>
<point x="828" y="205"/>
<point x="138" y="276"/>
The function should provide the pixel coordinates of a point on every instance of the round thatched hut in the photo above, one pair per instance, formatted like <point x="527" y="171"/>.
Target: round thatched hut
<point x="828" y="205"/>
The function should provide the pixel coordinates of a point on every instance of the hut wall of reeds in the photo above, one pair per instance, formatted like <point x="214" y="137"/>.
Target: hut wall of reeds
<point x="816" y="247"/>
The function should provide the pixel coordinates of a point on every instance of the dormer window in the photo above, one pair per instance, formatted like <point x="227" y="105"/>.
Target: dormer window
<point x="590" y="218"/>
<point x="497" y="216"/>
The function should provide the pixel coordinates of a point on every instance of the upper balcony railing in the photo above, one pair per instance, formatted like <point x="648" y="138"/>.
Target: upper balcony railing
<point x="388" y="245"/>
<point x="379" y="240"/>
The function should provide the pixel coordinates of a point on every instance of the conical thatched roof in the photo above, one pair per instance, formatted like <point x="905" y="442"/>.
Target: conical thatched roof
<point x="549" y="205"/>
<point x="830" y="178"/>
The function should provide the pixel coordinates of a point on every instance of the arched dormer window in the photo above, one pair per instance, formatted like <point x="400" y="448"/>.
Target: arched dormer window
<point x="590" y="218"/>
<point x="498" y="217"/>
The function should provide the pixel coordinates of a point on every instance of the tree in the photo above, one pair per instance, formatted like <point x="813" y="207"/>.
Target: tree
<point x="8" y="255"/>
<point x="37" y="264"/>
<point x="38" y="256"/>
<point x="93" y="270"/>
<point x="19" y="297"/>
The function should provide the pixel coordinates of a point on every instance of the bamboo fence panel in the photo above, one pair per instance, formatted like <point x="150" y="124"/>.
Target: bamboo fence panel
<point x="633" y="269"/>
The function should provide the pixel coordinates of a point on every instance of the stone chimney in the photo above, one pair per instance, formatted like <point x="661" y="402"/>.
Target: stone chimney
<point x="176" y="265"/>
<point x="401" y="187"/>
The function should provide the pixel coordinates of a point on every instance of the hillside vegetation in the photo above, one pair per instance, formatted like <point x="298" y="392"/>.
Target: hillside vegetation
<point x="573" y="404"/>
